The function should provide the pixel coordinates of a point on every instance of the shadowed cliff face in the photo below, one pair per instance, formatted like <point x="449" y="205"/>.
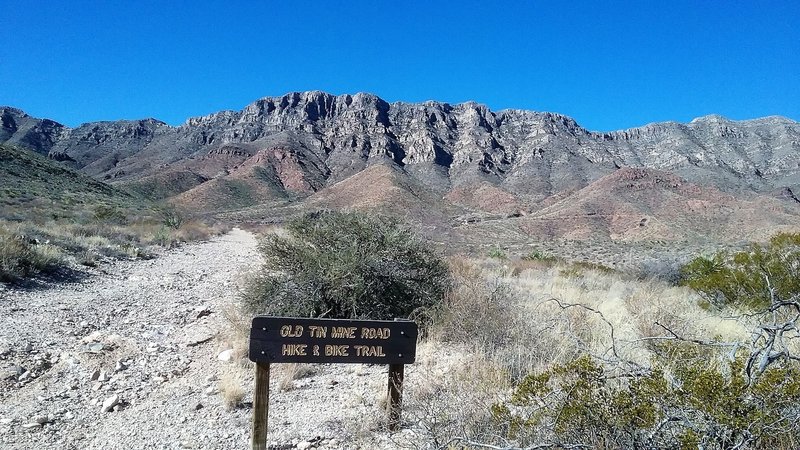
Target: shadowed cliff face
<point x="329" y="138"/>
<point x="18" y="128"/>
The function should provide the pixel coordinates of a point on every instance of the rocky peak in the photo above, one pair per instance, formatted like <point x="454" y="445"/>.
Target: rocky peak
<point x="18" y="128"/>
<point x="710" y="118"/>
<point x="527" y="152"/>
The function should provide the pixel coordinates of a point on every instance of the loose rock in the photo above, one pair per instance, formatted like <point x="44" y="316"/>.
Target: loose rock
<point x="110" y="403"/>
<point x="226" y="356"/>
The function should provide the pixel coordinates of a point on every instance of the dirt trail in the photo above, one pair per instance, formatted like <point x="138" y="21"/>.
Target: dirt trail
<point x="148" y="335"/>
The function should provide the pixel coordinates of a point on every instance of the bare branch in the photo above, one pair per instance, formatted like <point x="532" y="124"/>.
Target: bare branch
<point x="595" y="311"/>
<point x="472" y="443"/>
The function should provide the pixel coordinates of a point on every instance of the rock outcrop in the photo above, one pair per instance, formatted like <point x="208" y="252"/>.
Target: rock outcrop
<point x="310" y="140"/>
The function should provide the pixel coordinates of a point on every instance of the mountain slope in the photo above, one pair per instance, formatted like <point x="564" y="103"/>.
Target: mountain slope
<point x="529" y="154"/>
<point x="33" y="188"/>
<point x="20" y="129"/>
<point x="440" y="163"/>
<point x="644" y="204"/>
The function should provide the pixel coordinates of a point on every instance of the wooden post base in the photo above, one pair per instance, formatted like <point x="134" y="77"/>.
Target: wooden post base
<point x="395" y="395"/>
<point x="260" y="407"/>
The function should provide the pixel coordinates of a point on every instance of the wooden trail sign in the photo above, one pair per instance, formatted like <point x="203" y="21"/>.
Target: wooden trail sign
<point x="300" y="340"/>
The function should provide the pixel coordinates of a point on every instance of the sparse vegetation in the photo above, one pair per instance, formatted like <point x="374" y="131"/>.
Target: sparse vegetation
<point x="21" y="256"/>
<point x="753" y="278"/>
<point x="231" y="390"/>
<point x="688" y="403"/>
<point x="346" y="265"/>
<point x="53" y="217"/>
<point x="537" y="255"/>
<point x="497" y="253"/>
<point x="597" y="359"/>
<point x="523" y="347"/>
<point x="289" y="373"/>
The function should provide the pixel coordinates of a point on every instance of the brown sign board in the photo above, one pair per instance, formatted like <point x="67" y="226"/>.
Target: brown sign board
<point x="299" y="340"/>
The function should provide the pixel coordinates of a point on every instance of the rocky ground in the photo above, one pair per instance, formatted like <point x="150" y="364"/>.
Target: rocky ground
<point x="149" y="354"/>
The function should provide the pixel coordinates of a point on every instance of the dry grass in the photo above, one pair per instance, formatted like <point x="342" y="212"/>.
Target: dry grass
<point x="453" y="394"/>
<point x="52" y="217"/>
<point x="22" y="256"/>
<point x="503" y="321"/>
<point x="231" y="390"/>
<point x="612" y="302"/>
<point x="196" y="230"/>
<point x="28" y="248"/>
<point x="288" y="373"/>
<point x="237" y="334"/>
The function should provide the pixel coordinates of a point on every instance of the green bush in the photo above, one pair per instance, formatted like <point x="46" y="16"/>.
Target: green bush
<point x="754" y="278"/>
<point x="698" y="405"/>
<point x="171" y="218"/>
<point x="346" y="265"/>
<point x="106" y="214"/>
<point x="536" y="255"/>
<point x="497" y="253"/>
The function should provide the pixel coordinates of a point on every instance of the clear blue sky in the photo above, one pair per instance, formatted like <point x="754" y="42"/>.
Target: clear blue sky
<point x="610" y="65"/>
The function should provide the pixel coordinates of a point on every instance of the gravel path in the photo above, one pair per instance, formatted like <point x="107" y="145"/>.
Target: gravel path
<point x="131" y="358"/>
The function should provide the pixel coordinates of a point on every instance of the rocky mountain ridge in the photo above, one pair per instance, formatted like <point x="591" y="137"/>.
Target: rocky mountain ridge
<point x="302" y="142"/>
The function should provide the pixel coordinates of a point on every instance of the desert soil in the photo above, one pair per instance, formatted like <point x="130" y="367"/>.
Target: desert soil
<point x="133" y="356"/>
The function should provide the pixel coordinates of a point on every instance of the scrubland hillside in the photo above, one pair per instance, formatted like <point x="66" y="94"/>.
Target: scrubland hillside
<point x="521" y="353"/>
<point x="537" y="352"/>
<point x="54" y="218"/>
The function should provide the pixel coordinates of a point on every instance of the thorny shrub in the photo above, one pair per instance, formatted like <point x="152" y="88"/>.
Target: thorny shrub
<point x="346" y="265"/>
<point x="684" y="402"/>
<point x="753" y="278"/>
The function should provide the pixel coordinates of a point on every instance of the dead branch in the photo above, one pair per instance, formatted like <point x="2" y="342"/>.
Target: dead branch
<point x="471" y="443"/>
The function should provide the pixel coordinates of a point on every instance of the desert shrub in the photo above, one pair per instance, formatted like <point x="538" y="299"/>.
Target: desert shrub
<point x="643" y="386"/>
<point x="664" y="270"/>
<point x="753" y="278"/>
<point x="496" y="252"/>
<point x="67" y="217"/>
<point x="476" y="310"/>
<point x="537" y="255"/>
<point x="689" y="403"/>
<point x="106" y="214"/>
<point x="21" y="256"/>
<point x="171" y="218"/>
<point x="346" y="265"/>
<point x="586" y="265"/>
<point x="485" y="313"/>
<point x="455" y="403"/>
<point x="192" y="230"/>
<point x="162" y="236"/>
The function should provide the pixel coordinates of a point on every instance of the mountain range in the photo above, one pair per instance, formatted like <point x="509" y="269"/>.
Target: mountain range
<point x="540" y="174"/>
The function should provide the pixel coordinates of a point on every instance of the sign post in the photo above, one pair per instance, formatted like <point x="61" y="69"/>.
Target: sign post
<point x="299" y="340"/>
<point x="261" y="407"/>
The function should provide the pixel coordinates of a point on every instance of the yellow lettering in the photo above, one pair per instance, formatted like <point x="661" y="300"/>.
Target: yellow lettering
<point x="375" y="333"/>
<point x="343" y="332"/>
<point x="367" y="350"/>
<point x="288" y="331"/>
<point x="317" y="331"/>
<point x="337" y="350"/>
<point x="294" y="350"/>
